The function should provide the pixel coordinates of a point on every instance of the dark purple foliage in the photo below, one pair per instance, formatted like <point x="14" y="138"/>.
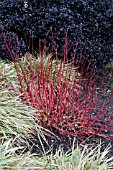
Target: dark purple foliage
<point x="89" y="23"/>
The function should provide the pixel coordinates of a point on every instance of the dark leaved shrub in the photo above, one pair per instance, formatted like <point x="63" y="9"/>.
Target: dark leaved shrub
<point x="15" y="44"/>
<point x="88" y="23"/>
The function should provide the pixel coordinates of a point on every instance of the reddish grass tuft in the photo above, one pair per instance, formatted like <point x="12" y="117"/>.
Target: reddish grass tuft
<point x="64" y="99"/>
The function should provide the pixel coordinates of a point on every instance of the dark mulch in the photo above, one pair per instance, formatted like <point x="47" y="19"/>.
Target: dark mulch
<point x="54" y="143"/>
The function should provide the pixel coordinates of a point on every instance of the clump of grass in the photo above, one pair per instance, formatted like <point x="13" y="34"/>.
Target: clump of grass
<point x="17" y="120"/>
<point x="87" y="159"/>
<point x="13" y="113"/>
<point x="10" y="160"/>
<point x="47" y="60"/>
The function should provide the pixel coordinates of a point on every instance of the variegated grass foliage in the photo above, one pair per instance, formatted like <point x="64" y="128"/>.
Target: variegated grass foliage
<point x="48" y="61"/>
<point x="17" y="122"/>
<point x="75" y="159"/>
<point x="17" y="119"/>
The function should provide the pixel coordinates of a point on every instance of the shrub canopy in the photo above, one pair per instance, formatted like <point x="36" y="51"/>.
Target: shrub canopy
<point x="87" y="22"/>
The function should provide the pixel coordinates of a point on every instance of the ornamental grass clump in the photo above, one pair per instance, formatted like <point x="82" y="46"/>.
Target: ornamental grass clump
<point x="87" y="159"/>
<point x="66" y="100"/>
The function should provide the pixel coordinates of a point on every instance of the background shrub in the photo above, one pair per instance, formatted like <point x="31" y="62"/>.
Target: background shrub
<point x="89" y="23"/>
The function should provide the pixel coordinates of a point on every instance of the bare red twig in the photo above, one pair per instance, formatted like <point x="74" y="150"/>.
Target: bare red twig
<point x="68" y="102"/>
